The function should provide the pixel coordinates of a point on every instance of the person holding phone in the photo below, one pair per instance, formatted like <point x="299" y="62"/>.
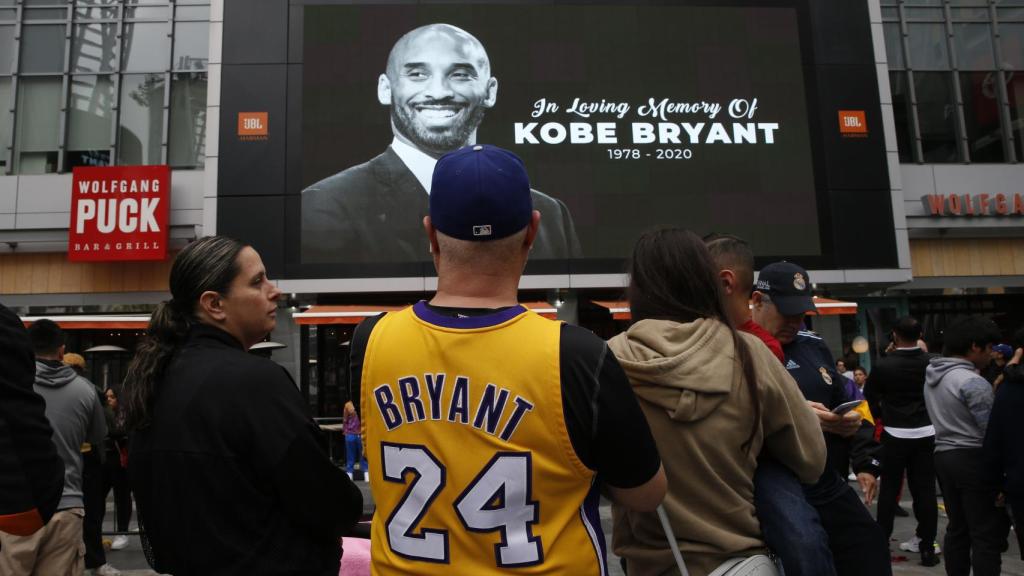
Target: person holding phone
<point x="781" y="299"/>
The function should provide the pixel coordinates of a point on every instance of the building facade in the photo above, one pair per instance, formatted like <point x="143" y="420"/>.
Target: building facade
<point x="122" y="82"/>
<point x="957" y="99"/>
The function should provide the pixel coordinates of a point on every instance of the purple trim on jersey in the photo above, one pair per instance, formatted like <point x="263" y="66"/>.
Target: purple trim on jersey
<point x="592" y="516"/>
<point x="423" y="312"/>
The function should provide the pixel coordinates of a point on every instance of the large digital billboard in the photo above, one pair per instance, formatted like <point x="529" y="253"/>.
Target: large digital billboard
<point x="627" y="117"/>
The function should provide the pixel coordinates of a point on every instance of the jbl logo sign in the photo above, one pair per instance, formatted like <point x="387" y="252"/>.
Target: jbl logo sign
<point x="852" y="122"/>
<point x="252" y="124"/>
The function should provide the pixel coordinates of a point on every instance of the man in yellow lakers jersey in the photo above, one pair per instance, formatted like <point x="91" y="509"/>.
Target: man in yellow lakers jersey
<point x="490" y="430"/>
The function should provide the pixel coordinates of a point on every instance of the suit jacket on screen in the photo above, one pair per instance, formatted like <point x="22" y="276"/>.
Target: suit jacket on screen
<point x="374" y="213"/>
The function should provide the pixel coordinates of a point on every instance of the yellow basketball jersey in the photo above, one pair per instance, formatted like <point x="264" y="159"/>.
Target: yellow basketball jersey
<point x="471" y="465"/>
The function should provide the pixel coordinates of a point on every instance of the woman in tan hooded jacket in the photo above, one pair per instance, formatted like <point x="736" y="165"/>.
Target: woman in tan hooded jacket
<point x="714" y="398"/>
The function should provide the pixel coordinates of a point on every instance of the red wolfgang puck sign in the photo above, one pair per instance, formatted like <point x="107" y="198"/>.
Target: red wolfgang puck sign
<point x="119" y="213"/>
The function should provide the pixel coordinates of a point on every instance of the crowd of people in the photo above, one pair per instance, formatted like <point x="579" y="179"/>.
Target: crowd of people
<point x="719" y="427"/>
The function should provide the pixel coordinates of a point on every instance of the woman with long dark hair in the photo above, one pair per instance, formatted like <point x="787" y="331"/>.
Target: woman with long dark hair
<point x="714" y="398"/>
<point x="115" y="467"/>
<point x="228" y="473"/>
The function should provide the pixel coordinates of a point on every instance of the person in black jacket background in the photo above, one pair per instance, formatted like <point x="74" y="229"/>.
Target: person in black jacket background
<point x="229" y="474"/>
<point x="1004" y="449"/>
<point x="895" y="391"/>
<point x="31" y="473"/>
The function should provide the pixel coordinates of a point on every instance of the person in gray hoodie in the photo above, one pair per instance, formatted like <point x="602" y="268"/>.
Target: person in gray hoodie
<point x="959" y="402"/>
<point x="76" y="416"/>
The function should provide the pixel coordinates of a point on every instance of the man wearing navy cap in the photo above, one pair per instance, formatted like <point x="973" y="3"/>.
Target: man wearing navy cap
<point x="479" y="414"/>
<point x="438" y="86"/>
<point x="782" y="297"/>
<point x="1001" y="354"/>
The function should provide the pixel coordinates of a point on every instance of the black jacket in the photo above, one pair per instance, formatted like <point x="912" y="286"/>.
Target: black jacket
<point x="810" y="363"/>
<point x="895" y="389"/>
<point x="1003" y="446"/>
<point x="373" y="213"/>
<point x="31" y="473"/>
<point x="230" y="477"/>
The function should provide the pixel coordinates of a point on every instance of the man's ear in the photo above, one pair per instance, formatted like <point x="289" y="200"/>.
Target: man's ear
<point x="211" y="305"/>
<point x="531" y="230"/>
<point x="492" y="93"/>
<point x="727" y="280"/>
<point x="431" y="235"/>
<point x="384" y="90"/>
<point x="757" y="299"/>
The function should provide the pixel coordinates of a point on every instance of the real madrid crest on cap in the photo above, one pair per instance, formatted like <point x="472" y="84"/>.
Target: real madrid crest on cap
<point x="799" y="282"/>
<point x="825" y="375"/>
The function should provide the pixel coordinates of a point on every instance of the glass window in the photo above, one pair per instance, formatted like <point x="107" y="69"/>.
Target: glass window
<point x="44" y="2"/>
<point x="1015" y="92"/>
<point x="6" y="49"/>
<point x="95" y="13"/>
<point x="191" y="45"/>
<point x="901" y="114"/>
<point x="36" y="142"/>
<point x="192" y="13"/>
<point x="925" y="14"/>
<point x="936" y="116"/>
<point x="974" y="14"/>
<point x="146" y="47"/>
<point x="187" y="138"/>
<point x="147" y="13"/>
<point x="94" y="47"/>
<point x="973" y="45"/>
<point x="8" y="15"/>
<point x="980" y="93"/>
<point x="1011" y="45"/>
<point x="44" y="14"/>
<point x="1010" y="14"/>
<point x="894" y="45"/>
<point x="923" y="2"/>
<point x="90" y="121"/>
<point x="140" y="132"/>
<point x="42" y="48"/>
<point x="5" y="119"/>
<point x="927" y="44"/>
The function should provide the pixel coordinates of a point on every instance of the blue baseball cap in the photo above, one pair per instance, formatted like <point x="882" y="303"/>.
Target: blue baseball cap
<point x="1003" y="349"/>
<point x="789" y="287"/>
<point x="480" y="193"/>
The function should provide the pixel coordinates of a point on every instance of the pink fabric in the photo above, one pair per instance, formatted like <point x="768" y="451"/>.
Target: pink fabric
<point x="356" y="559"/>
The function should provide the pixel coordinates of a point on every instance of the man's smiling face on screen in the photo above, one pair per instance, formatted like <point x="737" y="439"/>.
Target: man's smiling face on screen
<point x="439" y="86"/>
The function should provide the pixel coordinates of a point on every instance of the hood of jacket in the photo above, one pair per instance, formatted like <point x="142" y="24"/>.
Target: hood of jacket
<point x="943" y="365"/>
<point x="54" y="375"/>
<point x="687" y="369"/>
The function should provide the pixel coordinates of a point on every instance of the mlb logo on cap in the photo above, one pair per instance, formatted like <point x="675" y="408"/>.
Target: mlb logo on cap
<point x="480" y="193"/>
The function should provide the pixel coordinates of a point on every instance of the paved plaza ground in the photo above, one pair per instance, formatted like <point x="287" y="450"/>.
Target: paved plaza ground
<point x="133" y="563"/>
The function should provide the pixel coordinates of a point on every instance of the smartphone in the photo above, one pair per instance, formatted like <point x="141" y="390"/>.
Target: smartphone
<point x="846" y="407"/>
